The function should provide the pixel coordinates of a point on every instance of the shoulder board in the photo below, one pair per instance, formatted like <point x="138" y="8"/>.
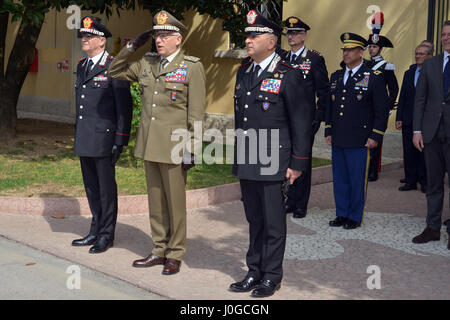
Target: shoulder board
<point x="317" y="53"/>
<point x="82" y="60"/>
<point x="390" y="66"/>
<point x="376" y="72"/>
<point x="191" y="58"/>
<point x="151" y="54"/>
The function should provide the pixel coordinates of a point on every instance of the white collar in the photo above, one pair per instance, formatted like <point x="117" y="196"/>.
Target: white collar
<point x="96" y="58"/>
<point x="172" y="56"/>
<point x="355" y="69"/>
<point x="265" y="62"/>
<point x="298" y="52"/>
<point x="446" y="54"/>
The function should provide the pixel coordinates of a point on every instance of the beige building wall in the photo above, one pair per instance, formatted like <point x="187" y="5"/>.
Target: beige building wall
<point x="51" y="91"/>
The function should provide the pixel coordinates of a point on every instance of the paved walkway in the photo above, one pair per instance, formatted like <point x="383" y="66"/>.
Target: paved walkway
<point x="320" y="262"/>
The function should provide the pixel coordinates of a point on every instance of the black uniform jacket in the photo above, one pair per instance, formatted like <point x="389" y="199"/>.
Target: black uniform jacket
<point x="103" y="110"/>
<point x="406" y="101"/>
<point x="312" y="66"/>
<point x="276" y="100"/>
<point x="388" y="75"/>
<point x="359" y="110"/>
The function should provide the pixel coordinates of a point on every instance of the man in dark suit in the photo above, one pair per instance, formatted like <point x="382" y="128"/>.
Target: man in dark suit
<point x="414" y="161"/>
<point x="272" y="118"/>
<point x="355" y="123"/>
<point x="431" y="127"/>
<point x="102" y="128"/>
<point x="311" y="65"/>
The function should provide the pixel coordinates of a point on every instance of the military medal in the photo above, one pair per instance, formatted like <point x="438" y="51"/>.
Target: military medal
<point x="332" y="97"/>
<point x="359" y="97"/>
<point x="271" y="85"/>
<point x="174" y="95"/>
<point x="266" y="106"/>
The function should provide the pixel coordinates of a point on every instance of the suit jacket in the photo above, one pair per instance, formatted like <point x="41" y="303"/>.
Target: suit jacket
<point x="103" y="110"/>
<point x="312" y="66"/>
<point x="430" y="103"/>
<point x="172" y="98"/>
<point x="359" y="109"/>
<point x="276" y="100"/>
<point x="406" y="101"/>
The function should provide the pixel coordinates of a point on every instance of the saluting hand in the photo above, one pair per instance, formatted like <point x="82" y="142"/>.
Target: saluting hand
<point x="141" y="39"/>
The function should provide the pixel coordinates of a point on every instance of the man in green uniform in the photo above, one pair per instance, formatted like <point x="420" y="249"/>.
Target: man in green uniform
<point x="173" y="97"/>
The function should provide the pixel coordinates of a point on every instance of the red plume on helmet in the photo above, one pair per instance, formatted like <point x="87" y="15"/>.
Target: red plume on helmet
<point x="377" y="22"/>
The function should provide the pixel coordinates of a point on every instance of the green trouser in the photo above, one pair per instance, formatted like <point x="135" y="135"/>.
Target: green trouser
<point x="166" y="187"/>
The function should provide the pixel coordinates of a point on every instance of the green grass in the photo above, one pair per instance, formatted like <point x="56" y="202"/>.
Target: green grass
<point x="60" y="175"/>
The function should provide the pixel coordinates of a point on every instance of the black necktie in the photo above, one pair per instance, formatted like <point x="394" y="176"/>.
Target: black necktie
<point x="255" y="73"/>
<point x="349" y="76"/>
<point x="293" y="57"/>
<point x="88" y="68"/>
<point x="446" y="77"/>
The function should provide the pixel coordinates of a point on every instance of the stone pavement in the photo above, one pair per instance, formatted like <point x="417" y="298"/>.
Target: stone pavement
<point x="320" y="262"/>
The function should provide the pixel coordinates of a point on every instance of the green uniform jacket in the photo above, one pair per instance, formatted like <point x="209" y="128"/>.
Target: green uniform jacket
<point x="173" y="98"/>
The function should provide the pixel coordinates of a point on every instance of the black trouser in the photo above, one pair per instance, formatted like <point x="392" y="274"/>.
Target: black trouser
<point x="300" y="190"/>
<point x="101" y="191"/>
<point x="263" y="204"/>
<point x="413" y="159"/>
<point x="375" y="159"/>
<point x="437" y="162"/>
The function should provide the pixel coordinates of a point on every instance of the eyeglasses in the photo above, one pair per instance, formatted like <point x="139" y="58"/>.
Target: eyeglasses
<point x="163" y="35"/>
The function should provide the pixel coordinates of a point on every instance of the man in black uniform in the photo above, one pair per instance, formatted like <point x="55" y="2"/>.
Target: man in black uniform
<point x="272" y="118"/>
<point x="312" y="66"/>
<point x="102" y="128"/>
<point x="377" y="63"/>
<point x="355" y="123"/>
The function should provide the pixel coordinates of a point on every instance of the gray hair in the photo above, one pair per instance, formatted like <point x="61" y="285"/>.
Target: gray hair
<point x="429" y="49"/>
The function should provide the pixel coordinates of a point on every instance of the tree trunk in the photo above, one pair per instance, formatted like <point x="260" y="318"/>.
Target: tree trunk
<point x="12" y="80"/>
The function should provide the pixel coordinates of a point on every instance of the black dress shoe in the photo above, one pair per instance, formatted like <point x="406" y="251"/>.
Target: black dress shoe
<point x="288" y="209"/>
<point x="427" y="235"/>
<point x="266" y="289"/>
<point x="403" y="180"/>
<point x="246" y="285"/>
<point x="101" y="245"/>
<point x="338" y="222"/>
<point x="372" y="177"/>
<point x="299" y="213"/>
<point x="350" y="224"/>
<point x="86" y="241"/>
<point x="408" y="187"/>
